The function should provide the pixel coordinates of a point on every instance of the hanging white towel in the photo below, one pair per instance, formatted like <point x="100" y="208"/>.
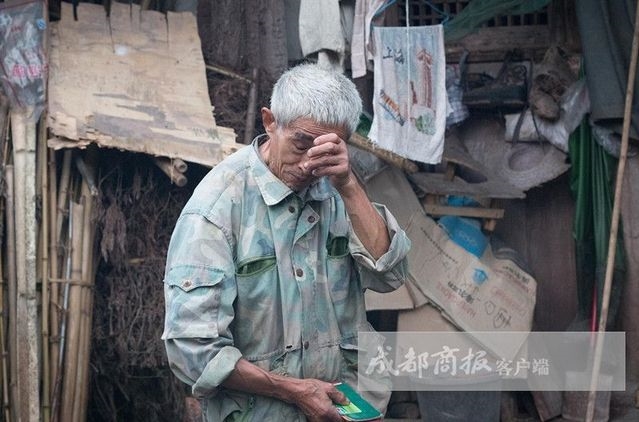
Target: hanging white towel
<point x="409" y="101"/>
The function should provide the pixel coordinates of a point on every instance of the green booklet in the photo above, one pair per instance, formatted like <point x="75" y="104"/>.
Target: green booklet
<point x="358" y="409"/>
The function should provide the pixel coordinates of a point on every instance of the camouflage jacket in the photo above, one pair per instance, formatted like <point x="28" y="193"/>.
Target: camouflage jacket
<point x="255" y="270"/>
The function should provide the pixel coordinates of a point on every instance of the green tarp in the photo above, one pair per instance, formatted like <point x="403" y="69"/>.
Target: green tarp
<point x="592" y="178"/>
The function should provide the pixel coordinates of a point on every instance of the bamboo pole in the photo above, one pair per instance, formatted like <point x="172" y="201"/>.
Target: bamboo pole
<point x="24" y="146"/>
<point x="83" y="331"/>
<point x="614" y="225"/>
<point x="63" y="193"/>
<point x="3" y="343"/>
<point x="3" y="349"/>
<point x="52" y="273"/>
<point x="82" y="380"/>
<point x="57" y="391"/>
<point x="165" y="165"/>
<point x="5" y="315"/>
<point x="87" y="176"/>
<point x="59" y="204"/>
<point x="40" y="147"/>
<point x="179" y="165"/>
<point x="70" y="368"/>
<point x="4" y="120"/>
<point x="11" y="277"/>
<point x="44" y="269"/>
<point x="8" y="320"/>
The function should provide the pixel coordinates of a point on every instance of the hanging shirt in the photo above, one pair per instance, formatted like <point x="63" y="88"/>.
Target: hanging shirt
<point x="325" y="29"/>
<point x="409" y="100"/>
<point x="256" y="271"/>
<point x="366" y="13"/>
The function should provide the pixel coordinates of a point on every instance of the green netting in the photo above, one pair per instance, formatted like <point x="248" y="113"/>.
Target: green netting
<point x="479" y="11"/>
<point x="592" y="176"/>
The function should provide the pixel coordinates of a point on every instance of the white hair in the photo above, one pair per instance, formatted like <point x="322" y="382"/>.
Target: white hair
<point x="310" y="91"/>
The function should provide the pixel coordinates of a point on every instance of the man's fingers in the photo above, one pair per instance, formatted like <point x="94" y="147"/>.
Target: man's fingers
<point x="337" y="396"/>
<point x="323" y="161"/>
<point x="327" y="138"/>
<point x="326" y="148"/>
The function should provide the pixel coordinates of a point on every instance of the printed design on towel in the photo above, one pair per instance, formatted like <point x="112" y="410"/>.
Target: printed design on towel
<point x="410" y="101"/>
<point x="391" y="107"/>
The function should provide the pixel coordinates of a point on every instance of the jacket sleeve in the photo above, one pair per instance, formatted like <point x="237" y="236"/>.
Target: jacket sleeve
<point x="199" y="290"/>
<point x="391" y="269"/>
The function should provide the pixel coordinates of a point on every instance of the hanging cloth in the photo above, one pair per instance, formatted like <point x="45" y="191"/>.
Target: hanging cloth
<point x="366" y="13"/>
<point x="591" y="180"/>
<point x="324" y="30"/>
<point x="409" y="99"/>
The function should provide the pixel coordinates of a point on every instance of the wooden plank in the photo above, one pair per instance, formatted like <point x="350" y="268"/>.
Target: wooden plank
<point x="540" y="230"/>
<point x="120" y="22"/>
<point x="135" y="81"/>
<point x="491" y="44"/>
<point x="154" y="26"/>
<point x="434" y="209"/>
<point x="436" y="184"/>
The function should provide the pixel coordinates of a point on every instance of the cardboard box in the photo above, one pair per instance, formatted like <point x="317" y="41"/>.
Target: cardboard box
<point x="478" y="294"/>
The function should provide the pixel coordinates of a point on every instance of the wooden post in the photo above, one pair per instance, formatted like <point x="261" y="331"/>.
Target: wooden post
<point x="24" y="159"/>
<point x="249" y="126"/>
<point x="614" y="225"/>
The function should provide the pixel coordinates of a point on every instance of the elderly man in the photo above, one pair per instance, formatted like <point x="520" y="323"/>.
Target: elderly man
<point x="269" y="260"/>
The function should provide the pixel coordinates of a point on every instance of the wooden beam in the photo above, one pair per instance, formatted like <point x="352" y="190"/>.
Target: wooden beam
<point x="491" y="44"/>
<point x="490" y="213"/>
<point x="362" y="142"/>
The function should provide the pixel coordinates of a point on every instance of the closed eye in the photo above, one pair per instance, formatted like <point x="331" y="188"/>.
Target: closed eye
<point x="302" y="141"/>
<point x="300" y="148"/>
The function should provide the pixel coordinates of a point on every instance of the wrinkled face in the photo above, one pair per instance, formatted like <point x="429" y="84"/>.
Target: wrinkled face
<point x="286" y="151"/>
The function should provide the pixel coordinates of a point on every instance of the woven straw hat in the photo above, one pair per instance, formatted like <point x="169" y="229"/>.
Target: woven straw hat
<point x="523" y="165"/>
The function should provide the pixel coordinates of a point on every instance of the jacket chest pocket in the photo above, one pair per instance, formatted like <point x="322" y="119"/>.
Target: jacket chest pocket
<point x="257" y="303"/>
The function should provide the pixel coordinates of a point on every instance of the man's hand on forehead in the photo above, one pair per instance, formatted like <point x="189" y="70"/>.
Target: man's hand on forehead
<point x="329" y="157"/>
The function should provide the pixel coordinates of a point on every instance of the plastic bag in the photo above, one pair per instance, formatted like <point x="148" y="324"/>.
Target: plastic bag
<point x="575" y="103"/>
<point x="23" y="61"/>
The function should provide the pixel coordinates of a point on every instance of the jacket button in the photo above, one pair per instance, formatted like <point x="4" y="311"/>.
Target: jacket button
<point x="186" y="284"/>
<point x="299" y="272"/>
<point x="291" y="209"/>
<point x="311" y="219"/>
<point x="306" y="344"/>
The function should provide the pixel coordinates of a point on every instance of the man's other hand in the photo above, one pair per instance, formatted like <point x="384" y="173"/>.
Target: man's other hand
<point x="317" y="400"/>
